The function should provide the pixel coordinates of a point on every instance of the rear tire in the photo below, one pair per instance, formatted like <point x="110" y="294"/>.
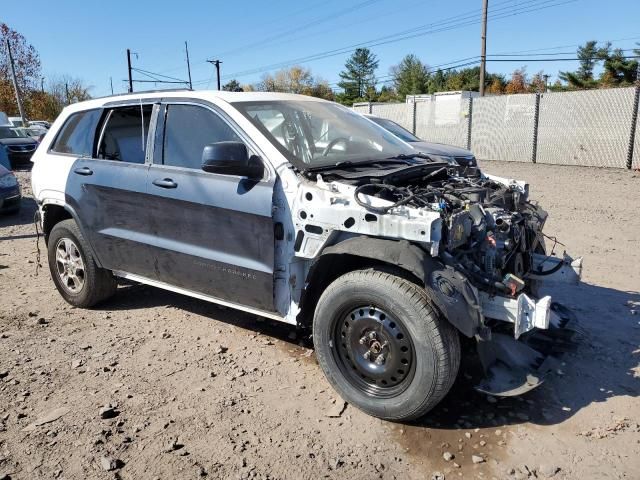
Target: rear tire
<point x="382" y="345"/>
<point x="73" y="269"/>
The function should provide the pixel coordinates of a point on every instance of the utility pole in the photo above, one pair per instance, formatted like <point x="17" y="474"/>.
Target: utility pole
<point x="15" y="85"/>
<point x="111" y="82"/>
<point x="186" y="49"/>
<point x="217" y="64"/>
<point x="546" y="81"/>
<point x="66" y="89"/>
<point x="483" y="41"/>
<point x="129" y="68"/>
<point x="42" y="84"/>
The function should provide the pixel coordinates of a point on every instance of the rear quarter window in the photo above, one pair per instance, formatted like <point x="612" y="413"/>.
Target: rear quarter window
<point x="76" y="137"/>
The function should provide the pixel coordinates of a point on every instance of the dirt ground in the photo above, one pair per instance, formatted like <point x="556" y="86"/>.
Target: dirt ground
<point x="192" y="390"/>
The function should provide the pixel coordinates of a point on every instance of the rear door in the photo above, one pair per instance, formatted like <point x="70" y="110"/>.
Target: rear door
<point x="213" y="233"/>
<point x="107" y="190"/>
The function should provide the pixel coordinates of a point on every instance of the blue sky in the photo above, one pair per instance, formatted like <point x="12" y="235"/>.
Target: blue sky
<point x="89" y="39"/>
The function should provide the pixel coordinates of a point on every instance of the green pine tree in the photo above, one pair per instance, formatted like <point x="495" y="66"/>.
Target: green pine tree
<point x="359" y="75"/>
<point x="410" y="76"/>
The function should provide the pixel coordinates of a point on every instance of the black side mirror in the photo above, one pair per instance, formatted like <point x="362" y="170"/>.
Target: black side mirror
<point x="231" y="158"/>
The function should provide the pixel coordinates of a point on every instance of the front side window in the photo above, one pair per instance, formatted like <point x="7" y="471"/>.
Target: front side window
<point x="188" y="129"/>
<point x="315" y="134"/>
<point x="125" y="134"/>
<point x="77" y="134"/>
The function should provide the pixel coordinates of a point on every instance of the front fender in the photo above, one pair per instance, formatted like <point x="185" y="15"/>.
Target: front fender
<point x="450" y="291"/>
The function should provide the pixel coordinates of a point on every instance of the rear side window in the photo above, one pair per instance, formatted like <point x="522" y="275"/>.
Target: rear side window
<point x="77" y="134"/>
<point x="188" y="128"/>
<point x="124" y="137"/>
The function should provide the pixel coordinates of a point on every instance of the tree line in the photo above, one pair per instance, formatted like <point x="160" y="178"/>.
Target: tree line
<point x="411" y="76"/>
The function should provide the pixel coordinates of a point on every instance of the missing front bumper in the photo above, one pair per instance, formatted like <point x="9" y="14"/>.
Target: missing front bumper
<point x="515" y="366"/>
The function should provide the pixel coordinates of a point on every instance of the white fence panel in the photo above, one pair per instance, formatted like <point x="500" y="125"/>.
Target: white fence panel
<point x="443" y="121"/>
<point x="502" y="127"/>
<point x="590" y="128"/>
<point x="401" y="113"/>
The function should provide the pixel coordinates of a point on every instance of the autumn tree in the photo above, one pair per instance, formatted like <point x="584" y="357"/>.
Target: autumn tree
<point x="296" y="79"/>
<point x="518" y="82"/>
<point x="496" y="85"/>
<point x="40" y="103"/>
<point x="27" y="67"/>
<point x="538" y="83"/>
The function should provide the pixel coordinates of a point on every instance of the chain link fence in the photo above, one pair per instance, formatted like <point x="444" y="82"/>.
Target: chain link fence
<point x="635" y="161"/>
<point x="589" y="128"/>
<point x="443" y="121"/>
<point x="398" y="112"/>
<point x="586" y="128"/>
<point x="502" y="128"/>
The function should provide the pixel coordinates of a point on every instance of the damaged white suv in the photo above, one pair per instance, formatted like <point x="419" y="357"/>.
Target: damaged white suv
<point x="303" y="211"/>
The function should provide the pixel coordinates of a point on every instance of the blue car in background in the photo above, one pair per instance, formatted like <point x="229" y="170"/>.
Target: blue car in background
<point x="10" y="195"/>
<point x="4" y="158"/>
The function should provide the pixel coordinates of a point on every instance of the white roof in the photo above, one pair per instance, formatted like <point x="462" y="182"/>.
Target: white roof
<point x="211" y="95"/>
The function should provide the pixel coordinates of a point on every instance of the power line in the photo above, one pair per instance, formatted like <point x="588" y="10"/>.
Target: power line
<point x="519" y="10"/>
<point x="628" y="57"/>
<point x="380" y="40"/>
<point x="265" y="42"/>
<point x="312" y="23"/>
<point x="261" y="25"/>
<point x="158" y="75"/>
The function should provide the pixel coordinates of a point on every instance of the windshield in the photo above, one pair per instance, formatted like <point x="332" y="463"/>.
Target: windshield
<point x="314" y="134"/>
<point x="12" y="132"/>
<point x="396" y="129"/>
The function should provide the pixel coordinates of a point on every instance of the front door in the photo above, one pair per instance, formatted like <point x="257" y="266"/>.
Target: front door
<point x="213" y="234"/>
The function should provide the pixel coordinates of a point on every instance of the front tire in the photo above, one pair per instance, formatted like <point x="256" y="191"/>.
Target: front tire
<point x="382" y="345"/>
<point x="73" y="269"/>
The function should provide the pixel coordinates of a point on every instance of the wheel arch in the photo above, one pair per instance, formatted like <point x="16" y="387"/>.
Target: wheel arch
<point x="404" y="259"/>
<point x="54" y="213"/>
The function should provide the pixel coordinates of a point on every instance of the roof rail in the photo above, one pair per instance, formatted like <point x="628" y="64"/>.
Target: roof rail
<point x="145" y="91"/>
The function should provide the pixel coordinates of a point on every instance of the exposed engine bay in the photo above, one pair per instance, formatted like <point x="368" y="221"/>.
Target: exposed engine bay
<point x="490" y="231"/>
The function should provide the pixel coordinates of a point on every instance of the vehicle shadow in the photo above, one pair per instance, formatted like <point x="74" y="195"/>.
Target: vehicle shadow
<point x="603" y="365"/>
<point x="23" y="217"/>
<point x="135" y="296"/>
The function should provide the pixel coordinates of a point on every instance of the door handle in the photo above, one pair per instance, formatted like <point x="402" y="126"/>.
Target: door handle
<point x="84" y="171"/>
<point x="165" y="183"/>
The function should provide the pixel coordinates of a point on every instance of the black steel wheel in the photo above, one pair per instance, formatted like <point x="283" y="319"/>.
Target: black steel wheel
<point x="374" y="351"/>
<point x="382" y="345"/>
